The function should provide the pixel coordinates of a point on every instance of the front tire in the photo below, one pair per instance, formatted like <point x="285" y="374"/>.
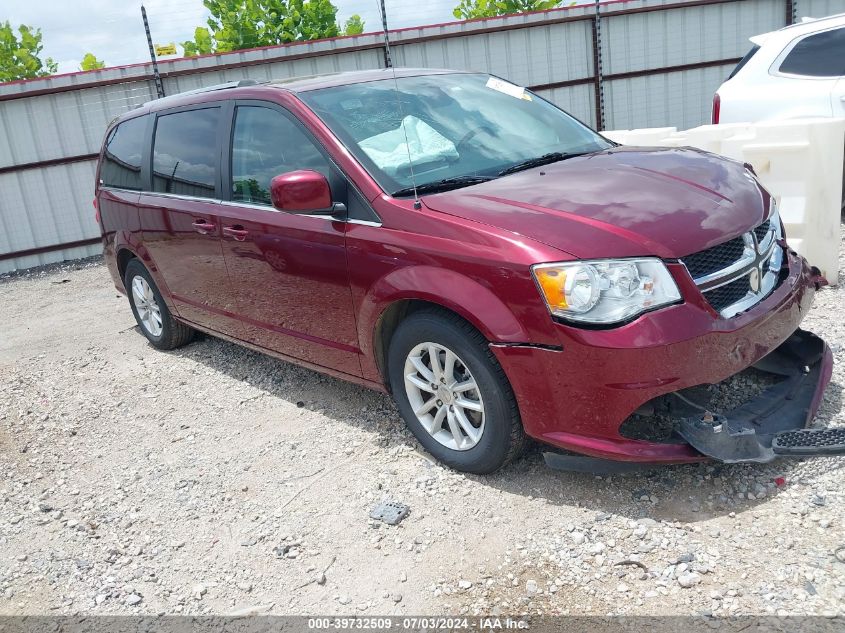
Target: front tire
<point x="150" y="310"/>
<point x="453" y="394"/>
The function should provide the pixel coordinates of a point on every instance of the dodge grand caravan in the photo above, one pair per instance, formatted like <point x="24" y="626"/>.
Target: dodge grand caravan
<point x="461" y="243"/>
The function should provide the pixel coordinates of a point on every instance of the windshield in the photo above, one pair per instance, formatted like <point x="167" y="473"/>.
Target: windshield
<point x="461" y="127"/>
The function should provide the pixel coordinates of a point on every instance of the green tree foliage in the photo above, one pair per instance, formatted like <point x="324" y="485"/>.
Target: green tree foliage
<point x="202" y="43"/>
<point x="353" y="26"/>
<point x="20" y="56"/>
<point x="470" y="9"/>
<point x="238" y="24"/>
<point x="90" y="62"/>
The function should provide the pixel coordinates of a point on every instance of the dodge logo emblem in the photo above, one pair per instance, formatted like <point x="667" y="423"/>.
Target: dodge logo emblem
<point x="754" y="280"/>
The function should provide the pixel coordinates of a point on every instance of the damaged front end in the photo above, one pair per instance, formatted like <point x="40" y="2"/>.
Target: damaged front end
<point x="770" y="424"/>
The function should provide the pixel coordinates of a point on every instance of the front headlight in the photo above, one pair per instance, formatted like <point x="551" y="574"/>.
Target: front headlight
<point x="605" y="291"/>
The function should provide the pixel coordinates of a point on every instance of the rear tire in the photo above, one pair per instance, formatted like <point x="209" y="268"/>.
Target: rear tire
<point x="151" y="312"/>
<point x="453" y="394"/>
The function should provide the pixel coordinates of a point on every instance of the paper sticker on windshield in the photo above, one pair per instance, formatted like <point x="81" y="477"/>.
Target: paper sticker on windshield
<point x="501" y="85"/>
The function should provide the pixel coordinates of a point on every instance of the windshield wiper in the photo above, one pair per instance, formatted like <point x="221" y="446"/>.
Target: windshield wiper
<point x="545" y="159"/>
<point x="442" y="185"/>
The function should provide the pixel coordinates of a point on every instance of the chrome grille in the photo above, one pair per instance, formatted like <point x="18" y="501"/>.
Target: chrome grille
<point x="714" y="259"/>
<point x="761" y="231"/>
<point x="738" y="274"/>
<point x="723" y="296"/>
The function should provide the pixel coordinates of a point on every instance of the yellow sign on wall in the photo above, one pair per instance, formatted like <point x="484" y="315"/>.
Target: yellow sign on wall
<point x="165" y="49"/>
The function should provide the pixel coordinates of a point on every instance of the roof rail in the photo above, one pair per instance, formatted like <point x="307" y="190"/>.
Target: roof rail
<point x="226" y="86"/>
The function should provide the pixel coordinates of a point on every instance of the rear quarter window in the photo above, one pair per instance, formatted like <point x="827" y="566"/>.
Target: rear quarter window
<point x="818" y="55"/>
<point x="744" y="61"/>
<point x="121" y="164"/>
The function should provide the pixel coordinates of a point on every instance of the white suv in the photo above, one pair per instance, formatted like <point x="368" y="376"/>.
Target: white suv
<point x="796" y="72"/>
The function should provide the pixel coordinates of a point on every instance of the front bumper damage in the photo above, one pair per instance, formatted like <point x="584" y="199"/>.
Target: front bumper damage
<point x="617" y="395"/>
<point x="769" y="425"/>
<point x="773" y="423"/>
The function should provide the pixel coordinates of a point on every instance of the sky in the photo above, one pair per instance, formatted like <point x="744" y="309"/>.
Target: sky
<point x="114" y="32"/>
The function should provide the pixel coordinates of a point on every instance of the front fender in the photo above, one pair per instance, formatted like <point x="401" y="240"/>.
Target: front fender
<point x="447" y="288"/>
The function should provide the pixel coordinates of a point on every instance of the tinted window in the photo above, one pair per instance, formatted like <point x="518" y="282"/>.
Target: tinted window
<point x="744" y="60"/>
<point x="185" y="153"/>
<point x="820" y="55"/>
<point x="122" y="159"/>
<point x="266" y="143"/>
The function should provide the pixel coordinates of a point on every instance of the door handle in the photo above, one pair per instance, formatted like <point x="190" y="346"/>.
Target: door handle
<point x="203" y="227"/>
<point x="237" y="231"/>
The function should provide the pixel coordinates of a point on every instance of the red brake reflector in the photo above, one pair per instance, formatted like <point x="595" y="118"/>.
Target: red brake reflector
<point x="717" y="107"/>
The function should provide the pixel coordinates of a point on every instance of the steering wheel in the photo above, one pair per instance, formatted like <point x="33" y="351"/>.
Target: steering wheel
<point x="471" y="134"/>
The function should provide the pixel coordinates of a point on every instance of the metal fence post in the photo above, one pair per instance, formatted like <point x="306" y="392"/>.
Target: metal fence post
<point x="388" y="63"/>
<point x="791" y="11"/>
<point x="597" y="67"/>
<point x="156" y="76"/>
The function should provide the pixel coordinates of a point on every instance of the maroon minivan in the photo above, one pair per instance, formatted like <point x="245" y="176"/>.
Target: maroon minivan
<point x="498" y="267"/>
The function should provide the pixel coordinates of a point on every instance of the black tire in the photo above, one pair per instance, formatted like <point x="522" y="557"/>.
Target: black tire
<point x="173" y="333"/>
<point x="503" y="438"/>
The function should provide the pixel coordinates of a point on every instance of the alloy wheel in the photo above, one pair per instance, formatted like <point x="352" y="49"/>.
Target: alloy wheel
<point x="149" y="312"/>
<point x="444" y="396"/>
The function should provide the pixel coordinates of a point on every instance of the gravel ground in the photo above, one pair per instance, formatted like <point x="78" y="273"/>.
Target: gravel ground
<point x="214" y="479"/>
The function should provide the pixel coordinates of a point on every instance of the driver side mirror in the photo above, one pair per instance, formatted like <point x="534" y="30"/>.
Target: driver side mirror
<point x="301" y="191"/>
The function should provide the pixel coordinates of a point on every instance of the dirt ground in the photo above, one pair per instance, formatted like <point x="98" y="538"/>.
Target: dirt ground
<point x="213" y="479"/>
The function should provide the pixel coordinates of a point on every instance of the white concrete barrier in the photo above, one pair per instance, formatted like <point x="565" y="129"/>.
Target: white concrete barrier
<point x="800" y="162"/>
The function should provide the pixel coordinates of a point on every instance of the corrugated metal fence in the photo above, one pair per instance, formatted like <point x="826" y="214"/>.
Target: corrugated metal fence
<point x="637" y="63"/>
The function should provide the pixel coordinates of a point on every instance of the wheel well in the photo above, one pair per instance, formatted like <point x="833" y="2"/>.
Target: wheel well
<point x="390" y="320"/>
<point x="124" y="256"/>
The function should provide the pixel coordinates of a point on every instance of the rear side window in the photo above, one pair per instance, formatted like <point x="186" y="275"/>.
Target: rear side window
<point x="266" y="143"/>
<point x="819" y="55"/>
<point x="185" y="153"/>
<point x="121" y="166"/>
<point x="744" y="60"/>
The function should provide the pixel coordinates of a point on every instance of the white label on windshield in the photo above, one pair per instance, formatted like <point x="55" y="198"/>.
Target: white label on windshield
<point x="507" y="88"/>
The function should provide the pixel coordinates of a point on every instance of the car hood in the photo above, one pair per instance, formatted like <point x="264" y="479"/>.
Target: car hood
<point x="621" y="202"/>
